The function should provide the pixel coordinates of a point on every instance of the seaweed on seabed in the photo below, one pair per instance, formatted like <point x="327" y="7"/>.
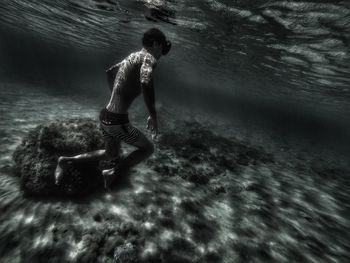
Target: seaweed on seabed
<point x="200" y="154"/>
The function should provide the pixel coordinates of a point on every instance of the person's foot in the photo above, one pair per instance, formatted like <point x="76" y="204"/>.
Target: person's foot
<point x="61" y="163"/>
<point x="108" y="177"/>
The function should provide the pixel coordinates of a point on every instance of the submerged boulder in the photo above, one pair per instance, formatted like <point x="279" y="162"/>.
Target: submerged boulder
<point x="126" y="253"/>
<point x="191" y="152"/>
<point x="36" y="157"/>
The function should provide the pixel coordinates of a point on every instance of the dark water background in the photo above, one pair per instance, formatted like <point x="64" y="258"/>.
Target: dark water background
<point x="284" y="56"/>
<point x="273" y="73"/>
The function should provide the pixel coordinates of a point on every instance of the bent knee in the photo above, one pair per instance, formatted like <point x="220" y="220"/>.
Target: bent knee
<point x="149" y="148"/>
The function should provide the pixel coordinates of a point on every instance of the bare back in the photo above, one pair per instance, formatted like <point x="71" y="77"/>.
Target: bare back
<point x="135" y="69"/>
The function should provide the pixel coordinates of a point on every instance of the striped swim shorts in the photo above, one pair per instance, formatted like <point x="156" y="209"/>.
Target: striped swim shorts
<point x="117" y="127"/>
<point x="124" y="132"/>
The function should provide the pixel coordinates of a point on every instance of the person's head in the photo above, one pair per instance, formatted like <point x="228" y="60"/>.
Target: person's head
<point x="155" y="41"/>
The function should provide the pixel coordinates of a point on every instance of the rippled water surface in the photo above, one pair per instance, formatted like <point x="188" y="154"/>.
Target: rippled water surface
<point x="296" y="51"/>
<point x="237" y="59"/>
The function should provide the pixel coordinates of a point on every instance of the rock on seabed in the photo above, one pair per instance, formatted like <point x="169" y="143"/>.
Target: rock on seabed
<point x="181" y="153"/>
<point x="36" y="157"/>
<point x="197" y="154"/>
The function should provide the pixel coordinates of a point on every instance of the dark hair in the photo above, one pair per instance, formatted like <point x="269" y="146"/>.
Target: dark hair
<point x="153" y="35"/>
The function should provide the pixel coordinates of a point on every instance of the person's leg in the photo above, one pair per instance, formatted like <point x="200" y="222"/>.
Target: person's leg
<point x="63" y="161"/>
<point x="84" y="157"/>
<point x="134" y="137"/>
<point x="111" y="152"/>
<point x="144" y="147"/>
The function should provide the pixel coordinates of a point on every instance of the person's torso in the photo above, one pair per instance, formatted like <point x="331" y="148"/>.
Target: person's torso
<point x="129" y="70"/>
<point x="127" y="84"/>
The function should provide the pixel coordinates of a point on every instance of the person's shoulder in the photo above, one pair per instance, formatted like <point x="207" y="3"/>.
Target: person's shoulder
<point x="148" y="57"/>
<point x="132" y="55"/>
<point x="150" y="61"/>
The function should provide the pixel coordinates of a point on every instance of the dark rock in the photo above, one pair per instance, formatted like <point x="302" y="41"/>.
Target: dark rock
<point x="220" y="189"/>
<point x="128" y="228"/>
<point x="197" y="177"/>
<point x="195" y="145"/>
<point x="111" y="243"/>
<point x="213" y="257"/>
<point x="227" y="162"/>
<point x="167" y="222"/>
<point x="191" y="151"/>
<point x="93" y="244"/>
<point x="98" y="217"/>
<point x="36" y="157"/>
<point x="165" y="169"/>
<point x="126" y="253"/>
<point x="243" y="159"/>
<point x="191" y="207"/>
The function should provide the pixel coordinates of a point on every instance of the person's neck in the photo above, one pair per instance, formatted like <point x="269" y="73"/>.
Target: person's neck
<point x="149" y="51"/>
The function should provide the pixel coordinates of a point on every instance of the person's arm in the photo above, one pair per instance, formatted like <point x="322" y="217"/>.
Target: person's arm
<point x="148" y="95"/>
<point x="111" y="73"/>
<point x="152" y="122"/>
<point x="146" y="79"/>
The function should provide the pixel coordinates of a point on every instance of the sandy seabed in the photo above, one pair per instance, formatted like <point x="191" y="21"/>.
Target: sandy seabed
<point x="201" y="197"/>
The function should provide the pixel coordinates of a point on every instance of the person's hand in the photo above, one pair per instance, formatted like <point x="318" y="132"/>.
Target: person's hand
<point x="152" y="125"/>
